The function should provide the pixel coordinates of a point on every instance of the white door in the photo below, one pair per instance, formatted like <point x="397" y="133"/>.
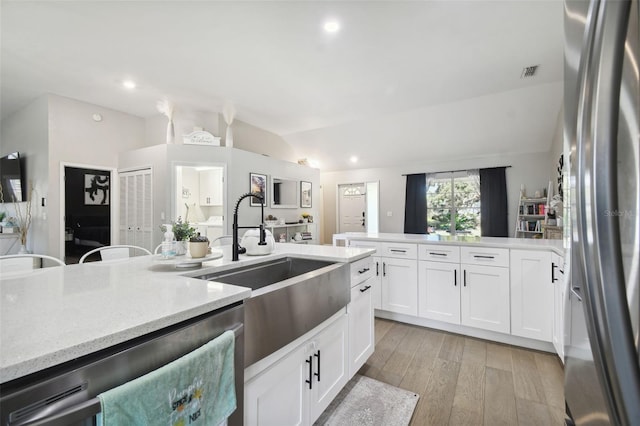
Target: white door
<point x="485" y="297"/>
<point x="400" y="286"/>
<point x="352" y="208"/>
<point x="136" y="208"/>
<point x="439" y="291"/>
<point x="280" y="395"/>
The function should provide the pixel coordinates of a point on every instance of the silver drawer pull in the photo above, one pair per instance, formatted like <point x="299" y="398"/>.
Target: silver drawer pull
<point x="362" y="271"/>
<point x="479" y="256"/>
<point x="433" y="253"/>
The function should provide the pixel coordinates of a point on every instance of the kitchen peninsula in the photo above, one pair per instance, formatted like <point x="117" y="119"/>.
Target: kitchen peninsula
<point x="509" y="290"/>
<point x="54" y="315"/>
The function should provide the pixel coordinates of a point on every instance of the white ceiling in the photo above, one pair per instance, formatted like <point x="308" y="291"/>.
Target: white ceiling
<point x="400" y="82"/>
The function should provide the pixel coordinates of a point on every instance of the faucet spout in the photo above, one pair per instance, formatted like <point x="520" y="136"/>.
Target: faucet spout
<point x="236" y="250"/>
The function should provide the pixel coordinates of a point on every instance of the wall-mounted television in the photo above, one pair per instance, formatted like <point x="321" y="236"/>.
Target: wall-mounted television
<point x="12" y="178"/>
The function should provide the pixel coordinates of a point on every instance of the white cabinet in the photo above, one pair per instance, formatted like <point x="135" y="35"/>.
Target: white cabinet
<point x="531" y="294"/>
<point x="559" y="289"/>
<point x="296" y="389"/>
<point x="280" y="395"/>
<point x="211" y="187"/>
<point x="136" y="208"/>
<point x="376" y="281"/>
<point x="484" y="300"/>
<point x="400" y="285"/>
<point x="361" y="325"/>
<point x="439" y="286"/>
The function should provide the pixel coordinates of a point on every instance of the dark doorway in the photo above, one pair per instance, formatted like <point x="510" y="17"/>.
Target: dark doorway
<point x="87" y="211"/>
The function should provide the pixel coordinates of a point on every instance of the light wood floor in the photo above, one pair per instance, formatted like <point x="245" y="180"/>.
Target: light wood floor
<point x="467" y="381"/>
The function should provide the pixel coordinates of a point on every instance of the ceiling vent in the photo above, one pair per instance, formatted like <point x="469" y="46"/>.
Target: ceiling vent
<point x="529" y="71"/>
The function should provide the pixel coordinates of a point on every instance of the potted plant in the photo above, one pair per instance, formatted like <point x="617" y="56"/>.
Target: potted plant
<point x="198" y="246"/>
<point x="270" y="220"/>
<point x="306" y="217"/>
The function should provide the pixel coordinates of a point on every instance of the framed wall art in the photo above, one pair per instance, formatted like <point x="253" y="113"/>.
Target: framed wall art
<point x="305" y="194"/>
<point x="258" y="184"/>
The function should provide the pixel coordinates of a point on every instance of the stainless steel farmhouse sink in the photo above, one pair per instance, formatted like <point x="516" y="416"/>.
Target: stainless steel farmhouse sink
<point x="290" y="297"/>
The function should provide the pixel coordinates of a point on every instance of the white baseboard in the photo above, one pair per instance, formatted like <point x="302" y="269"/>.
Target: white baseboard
<point x="468" y="331"/>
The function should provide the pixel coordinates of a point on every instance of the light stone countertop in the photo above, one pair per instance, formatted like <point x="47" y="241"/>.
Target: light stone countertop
<point x="502" y="242"/>
<point x="53" y="315"/>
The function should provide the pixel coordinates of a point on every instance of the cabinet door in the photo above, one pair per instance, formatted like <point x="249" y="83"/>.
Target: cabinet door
<point x="558" y="283"/>
<point x="439" y="291"/>
<point x="376" y="283"/>
<point x="211" y="186"/>
<point x="280" y="395"/>
<point x="485" y="297"/>
<point x="400" y="286"/>
<point x="331" y="368"/>
<point x="361" y="333"/>
<point x="531" y="294"/>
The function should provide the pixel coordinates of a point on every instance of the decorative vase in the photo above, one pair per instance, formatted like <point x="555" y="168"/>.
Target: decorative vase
<point x="170" y="132"/>
<point x="198" y="249"/>
<point x="181" y="248"/>
<point x="23" y="249"/>
<point x="228" y="142"/>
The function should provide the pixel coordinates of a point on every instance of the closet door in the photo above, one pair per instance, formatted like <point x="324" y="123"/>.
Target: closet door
<point x="136" y="208"/>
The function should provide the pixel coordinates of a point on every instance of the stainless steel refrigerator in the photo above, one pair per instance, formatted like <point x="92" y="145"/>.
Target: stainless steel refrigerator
<point x="602" y="363"/>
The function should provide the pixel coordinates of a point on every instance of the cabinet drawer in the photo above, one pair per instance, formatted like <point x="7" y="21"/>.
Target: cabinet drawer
<point x="485" y="256"/>
<point x="399" y="250"/>
<point x="361" y="270"/>
<point x="366" y="244"/>
<point x="439" y="253"/>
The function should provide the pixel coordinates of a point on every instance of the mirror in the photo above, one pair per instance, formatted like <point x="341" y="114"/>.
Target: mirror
<point x="284" y="193"/>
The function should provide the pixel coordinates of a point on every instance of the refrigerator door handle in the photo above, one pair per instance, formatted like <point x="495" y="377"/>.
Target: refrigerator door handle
<point x="606" y="310"/>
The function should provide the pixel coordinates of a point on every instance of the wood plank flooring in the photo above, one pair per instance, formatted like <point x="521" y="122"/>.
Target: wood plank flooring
<point x="467" y="381"/>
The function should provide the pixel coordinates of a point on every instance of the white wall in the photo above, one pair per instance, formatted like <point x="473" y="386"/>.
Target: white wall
<point x="254" y="139"/>
<point x="528" y="169"/>
<point x="74" y="137"/>
<point x="26" y="131"/>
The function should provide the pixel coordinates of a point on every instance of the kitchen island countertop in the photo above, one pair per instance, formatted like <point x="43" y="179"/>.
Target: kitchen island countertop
<point x="462" y="240"/>
<point x="54" y="315"/>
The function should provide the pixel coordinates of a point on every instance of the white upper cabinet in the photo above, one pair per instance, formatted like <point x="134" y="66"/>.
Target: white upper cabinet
<point x="211" y="187"/>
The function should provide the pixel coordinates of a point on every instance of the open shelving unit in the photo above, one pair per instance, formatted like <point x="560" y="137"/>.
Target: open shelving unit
<point x="307" y="231"/>
<point x="532" y="214"/>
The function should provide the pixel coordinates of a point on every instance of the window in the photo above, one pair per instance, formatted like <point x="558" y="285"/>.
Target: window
<point x="453" y="203"/>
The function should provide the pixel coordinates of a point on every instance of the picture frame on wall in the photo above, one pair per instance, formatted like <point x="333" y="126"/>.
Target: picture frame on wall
<point x="305" y="194"/>
<point x="96" y="190"/>
<point x="258" y="184"/>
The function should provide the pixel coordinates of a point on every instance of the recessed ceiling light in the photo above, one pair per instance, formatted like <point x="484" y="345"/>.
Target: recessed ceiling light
<point x="129" y="84"/>
<point x="331" y="26"/>
<point x="353" y="159"/>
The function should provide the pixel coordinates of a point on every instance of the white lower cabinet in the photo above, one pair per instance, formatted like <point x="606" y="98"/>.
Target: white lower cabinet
<point x="484" y="300"/>
<point x="296" y="389"/>
<point x="559" y="289"/>
<point x="400" y="285"/>
<point x="361" y="333"/>
<point x="439" y="286"/>
<point x="531" y="294"/>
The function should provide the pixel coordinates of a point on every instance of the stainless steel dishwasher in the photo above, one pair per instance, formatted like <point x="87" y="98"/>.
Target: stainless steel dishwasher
<point x="67" y="394"/>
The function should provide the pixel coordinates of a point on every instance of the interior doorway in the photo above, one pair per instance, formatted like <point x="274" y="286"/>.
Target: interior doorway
<point x="358" y="207"/>
<point x="87" y="215"/>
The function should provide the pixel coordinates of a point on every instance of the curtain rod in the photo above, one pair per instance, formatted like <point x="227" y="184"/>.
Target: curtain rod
<point x="453" y="171"/>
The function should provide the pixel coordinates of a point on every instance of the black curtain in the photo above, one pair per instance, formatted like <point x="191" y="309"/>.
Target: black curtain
<point x="493" y="202"/>
<point x="415" y="206"/>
